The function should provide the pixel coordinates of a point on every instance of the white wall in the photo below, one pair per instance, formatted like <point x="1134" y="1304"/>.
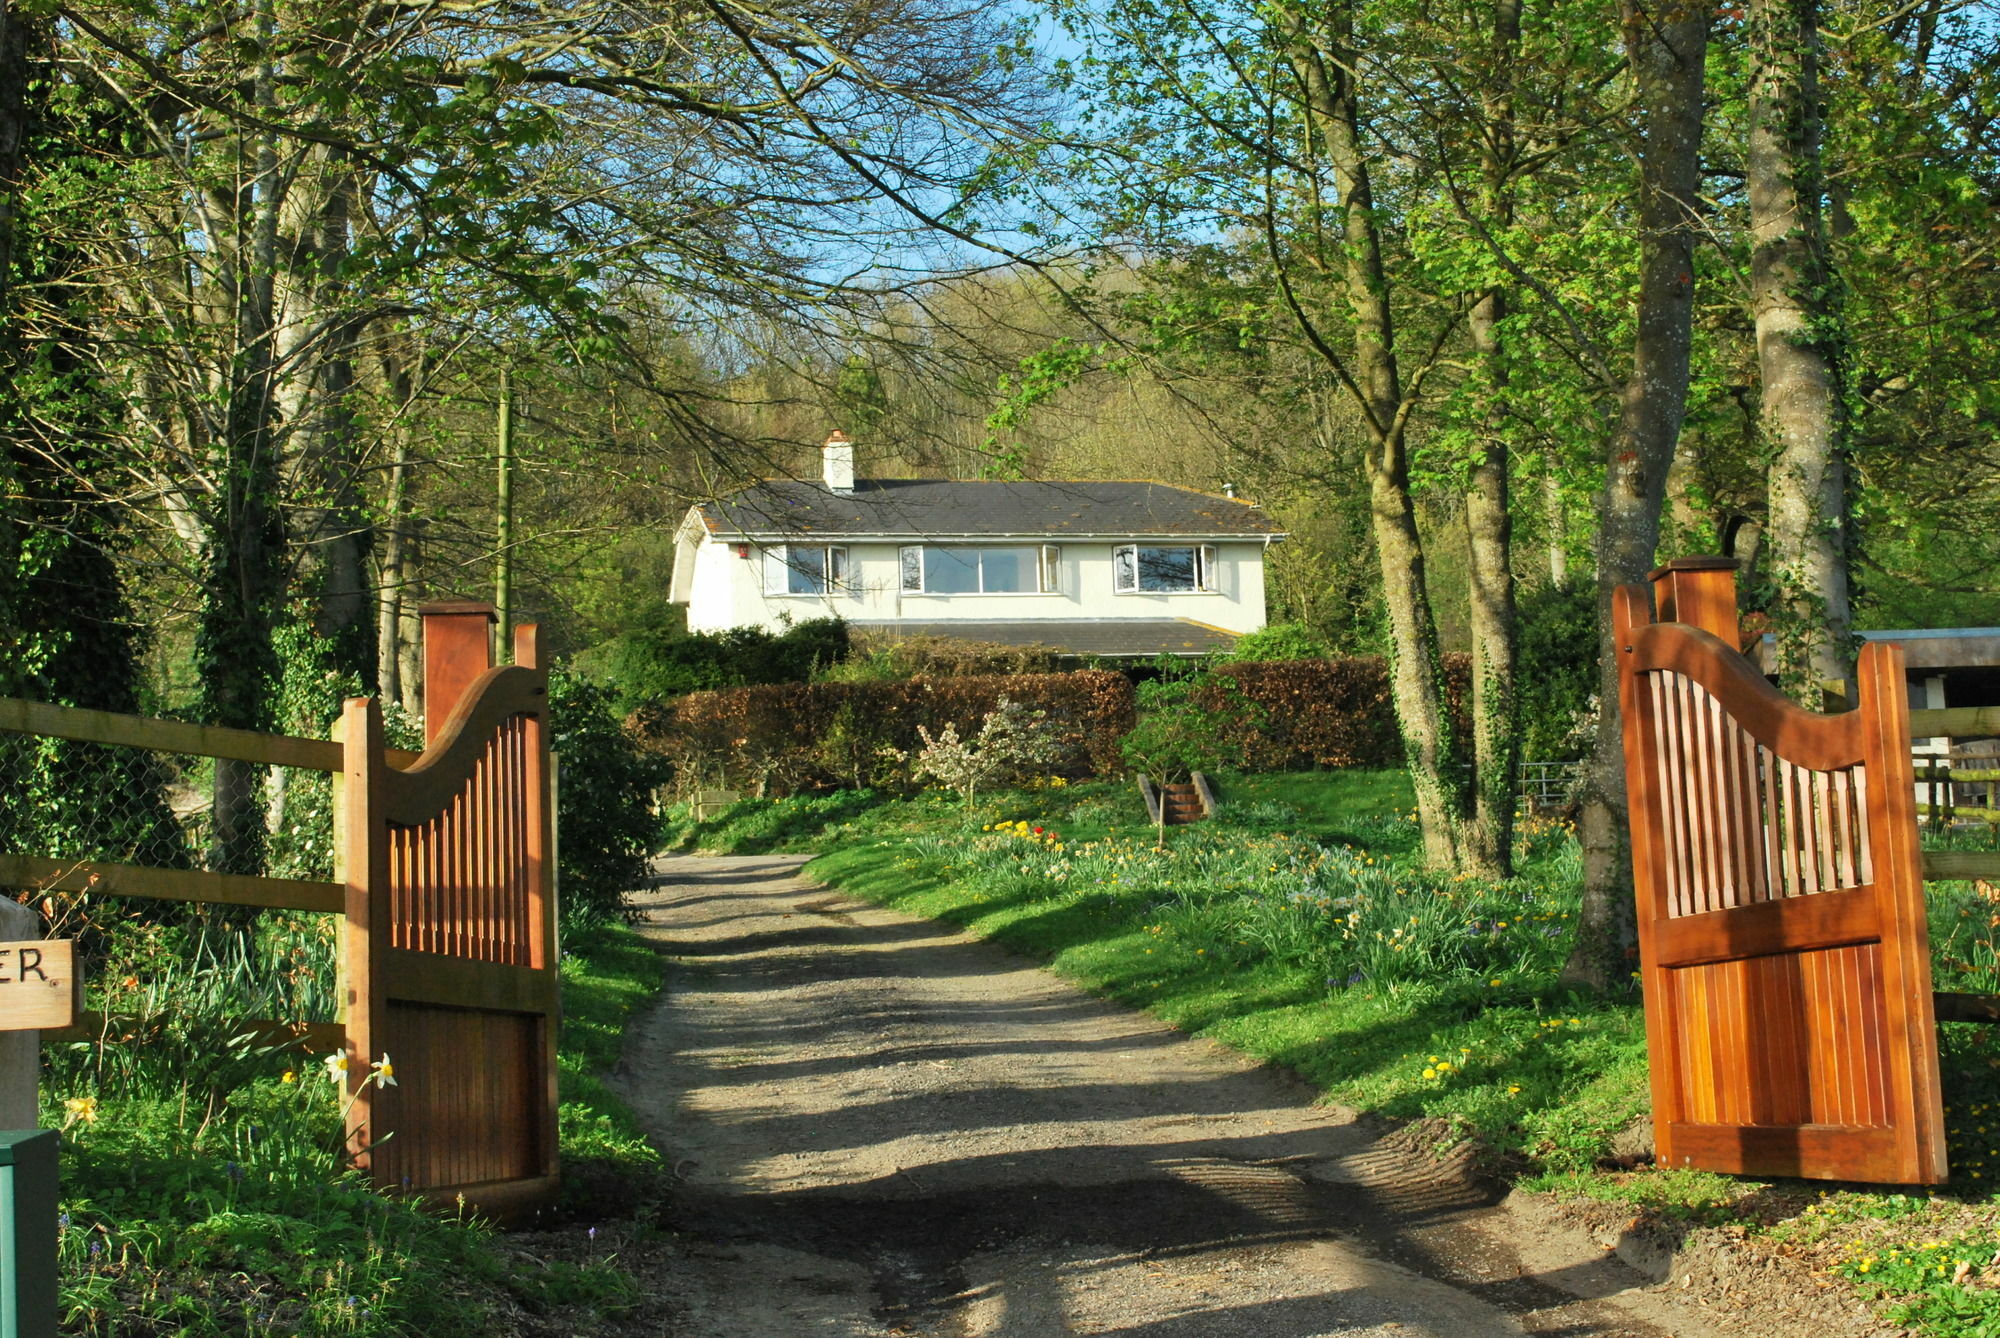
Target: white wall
<point x="728" y="591"/>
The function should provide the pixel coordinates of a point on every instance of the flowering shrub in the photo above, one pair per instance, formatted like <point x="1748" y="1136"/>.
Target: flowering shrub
<point x="1012" y="741"/>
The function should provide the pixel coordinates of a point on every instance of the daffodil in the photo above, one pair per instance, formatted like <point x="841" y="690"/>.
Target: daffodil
<point x="336" y="1066"/>
<point x="81" y="1108"/>
<point x="382" y="1071"/>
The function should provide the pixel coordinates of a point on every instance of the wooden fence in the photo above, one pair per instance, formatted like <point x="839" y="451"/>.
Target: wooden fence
<point x="444" y="881"/>
<point x="1783" y="940"/>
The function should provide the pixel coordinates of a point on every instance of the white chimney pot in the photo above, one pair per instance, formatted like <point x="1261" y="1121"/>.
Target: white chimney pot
<point x="837" y="462"/>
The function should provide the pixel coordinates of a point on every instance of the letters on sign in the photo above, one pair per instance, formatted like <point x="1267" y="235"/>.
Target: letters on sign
<point x="37" y="985"/>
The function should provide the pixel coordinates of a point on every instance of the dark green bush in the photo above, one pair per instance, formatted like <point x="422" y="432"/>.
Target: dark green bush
<point x="1279" y="641"/>
<point x="606" y="801"/>
<point x="655" y="665"/>
<point x="1558" y="670"/>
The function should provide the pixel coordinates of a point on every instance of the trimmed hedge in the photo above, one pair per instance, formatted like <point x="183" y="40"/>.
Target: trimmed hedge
<point x="778" y="738"/>
<point x="1333" y="713"/>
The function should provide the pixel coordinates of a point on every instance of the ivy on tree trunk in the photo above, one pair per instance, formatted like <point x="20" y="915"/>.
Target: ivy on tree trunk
<point x="1795" y="299"/>
<point x="1668" y="48"/>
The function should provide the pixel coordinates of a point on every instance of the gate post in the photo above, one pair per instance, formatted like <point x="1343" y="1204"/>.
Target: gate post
<point x="458" y="648"/>
<point x="361" y="842"/>
<point x="1700" y="592"/>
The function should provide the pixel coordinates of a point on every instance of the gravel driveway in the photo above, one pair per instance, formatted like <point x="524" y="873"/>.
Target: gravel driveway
<point x="883" y="1126"/>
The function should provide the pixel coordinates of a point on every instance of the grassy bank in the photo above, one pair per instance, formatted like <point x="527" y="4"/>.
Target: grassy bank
<point x="1301" y="929"/>
<point x="202" y="1193"/>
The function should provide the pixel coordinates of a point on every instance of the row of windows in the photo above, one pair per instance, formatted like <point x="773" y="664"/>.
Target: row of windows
<point x="796" y="569"/>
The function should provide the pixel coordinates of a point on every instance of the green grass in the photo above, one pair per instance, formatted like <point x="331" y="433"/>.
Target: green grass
<point x="609" y="973"/>
<point x="207" y="1199"/>
<point x="761" y="826"/>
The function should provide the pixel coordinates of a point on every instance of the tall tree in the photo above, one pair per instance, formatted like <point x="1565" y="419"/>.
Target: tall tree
<point x="1496" y="735"/>
<point x="1796" y="304"/>
<point x="1667" y="46"/>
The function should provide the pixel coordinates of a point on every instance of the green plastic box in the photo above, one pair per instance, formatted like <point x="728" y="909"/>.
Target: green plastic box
<point x="28" y="1233"/>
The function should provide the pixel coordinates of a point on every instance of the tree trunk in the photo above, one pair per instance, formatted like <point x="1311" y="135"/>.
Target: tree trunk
<point x="1489" y="530"/>
<point x="392" y="574"/>
<point x="1798" y="350"/>
<point x="244" y="583"/>
<point x="15" y="37"/>
<point x="410" y="628"/>
<point x="1416" y="669"/>
<point x="1556" y="516"/>
<point x="1496" y="745"/>
<point x="1668" y="52"/>
<point x="345" y="536"/>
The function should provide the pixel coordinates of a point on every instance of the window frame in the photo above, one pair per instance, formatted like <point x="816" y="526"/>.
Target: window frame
<point x="1125" y="569"/>
<point x="833" y="571"/>
<point x="1044" y="563"/>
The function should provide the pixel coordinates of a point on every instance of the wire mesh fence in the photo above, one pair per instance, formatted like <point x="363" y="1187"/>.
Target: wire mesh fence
<point x="65" y="800"/>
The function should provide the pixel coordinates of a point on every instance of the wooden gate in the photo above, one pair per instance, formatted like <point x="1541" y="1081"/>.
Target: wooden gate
<point x="450" y="949"/>
<point x="1782" y="936"/>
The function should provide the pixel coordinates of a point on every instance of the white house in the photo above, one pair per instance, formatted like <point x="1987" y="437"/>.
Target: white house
<point x="1100" y="568"/>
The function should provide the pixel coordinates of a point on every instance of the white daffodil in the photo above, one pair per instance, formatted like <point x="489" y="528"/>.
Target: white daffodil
<point x="336" y="1066"/>
<point x="382" y="1071"/>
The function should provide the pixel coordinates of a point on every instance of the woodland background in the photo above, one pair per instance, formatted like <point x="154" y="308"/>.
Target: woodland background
<point x="1491" y="302"/>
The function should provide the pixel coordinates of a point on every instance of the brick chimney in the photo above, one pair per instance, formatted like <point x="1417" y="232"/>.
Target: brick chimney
<point x="837" y="461"/>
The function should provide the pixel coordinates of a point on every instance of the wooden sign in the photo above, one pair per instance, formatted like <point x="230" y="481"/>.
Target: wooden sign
<point x="37" y="985"/>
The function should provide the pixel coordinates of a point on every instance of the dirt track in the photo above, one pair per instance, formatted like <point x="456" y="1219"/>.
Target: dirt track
<point x="885" y="1127"/>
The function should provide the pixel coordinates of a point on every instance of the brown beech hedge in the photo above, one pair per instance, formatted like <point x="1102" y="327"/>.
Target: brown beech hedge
<point x="778" y="738"/>
<point x="1332" y="713"/>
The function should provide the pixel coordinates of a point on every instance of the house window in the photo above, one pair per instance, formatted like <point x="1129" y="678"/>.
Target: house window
<point x="1146" y="569"/>
<point x="979" y="571"/>
<point x="796" y="569"/>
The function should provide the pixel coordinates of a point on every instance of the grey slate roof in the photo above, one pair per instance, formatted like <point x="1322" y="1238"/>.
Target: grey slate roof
<point x="1072" y="636"/>
<point x="925" y="508"/>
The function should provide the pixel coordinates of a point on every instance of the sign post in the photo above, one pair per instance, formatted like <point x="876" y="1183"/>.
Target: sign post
<point x="37" y="993"/>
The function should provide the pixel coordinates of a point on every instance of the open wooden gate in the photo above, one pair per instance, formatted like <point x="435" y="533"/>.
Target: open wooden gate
<point x="1782" y="935"/>
<point x="450" y="958"/>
